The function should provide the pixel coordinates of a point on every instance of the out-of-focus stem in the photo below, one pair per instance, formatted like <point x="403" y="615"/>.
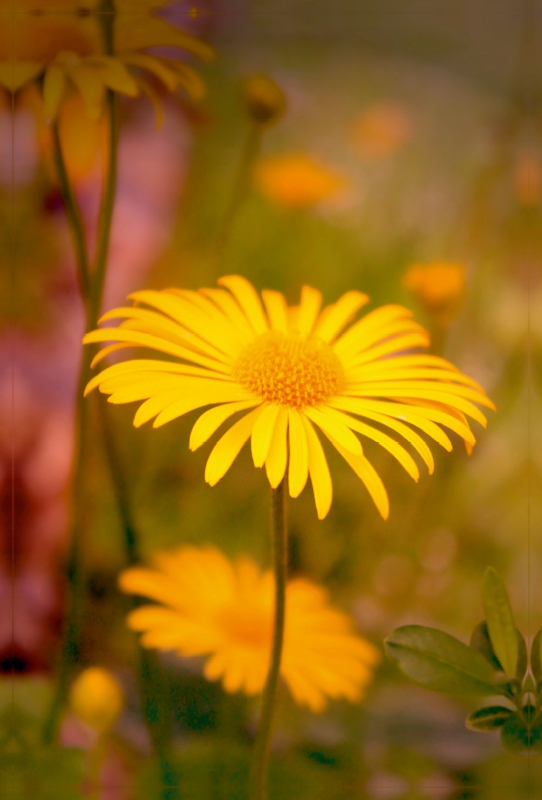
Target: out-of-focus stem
<point x="248" y="155"/>
<point x="262" y="746"/>
<point x="74" y="216"/>
<point x="106" y="213"/>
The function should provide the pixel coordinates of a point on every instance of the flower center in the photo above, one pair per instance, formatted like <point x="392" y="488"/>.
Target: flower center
<point x="290" y="371"/>
<point x="250" y="627"/>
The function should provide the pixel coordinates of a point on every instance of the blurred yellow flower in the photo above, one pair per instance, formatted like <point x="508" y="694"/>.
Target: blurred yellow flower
<point x="381" y="130"/>
<point x="211" y="606"/>
<point x="96" y="698"/>
<point x="439" y="286"/>
<point x="296" y="180"/>
<point x="68" y="51"/>
<point x="289" y="370"/>
<point x="527" y="177"/>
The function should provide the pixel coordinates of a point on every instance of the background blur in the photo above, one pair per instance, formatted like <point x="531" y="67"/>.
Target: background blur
<point x="428" y="114"/>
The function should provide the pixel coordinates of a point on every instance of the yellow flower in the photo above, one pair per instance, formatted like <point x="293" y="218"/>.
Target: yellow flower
<point x="96" y="698"/>
<point x="289" y="371"/>
<point x="381" y="130"/>
<point x="296" y="180"/>
<point x="439" y="286"/>
<point x="211" y="606"/>
<point x="67" y="49"/>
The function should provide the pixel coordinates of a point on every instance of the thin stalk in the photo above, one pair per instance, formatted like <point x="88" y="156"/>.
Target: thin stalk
<point x="262" y="746"/>
<point x="69" y="652"/>
<point x="73" y="214"/>
<point x="249" y="153"/>
<point x="106" y="213"/>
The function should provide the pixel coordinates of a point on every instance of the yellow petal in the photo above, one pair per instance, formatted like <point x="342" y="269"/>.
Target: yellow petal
<point x="263" y="433"/>
<point x="137" y="338"/>
<point x="211" y="420"/>
<point x="356" y="336"/>
<point x="368" y="475"/>
<point x="277" y="310"/>
<point x="230" y="308"/>
<point x="394" y="345"/>
<point x="311" y="300"/>
<point x="334" y="427"/>
<point x="393" y="447"/>
<point x="318" y="471"/>
<point x="277" y="457"/>
<point x="248" y="299"/>
<point x="335" y="317"/>
<point x="227" y="448"/>
<point x="299" y="454"/>
<point x="345" y="404"/>
<point x="155" y="65"/>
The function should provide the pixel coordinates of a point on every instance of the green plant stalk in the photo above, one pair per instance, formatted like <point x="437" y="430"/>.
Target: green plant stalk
<point x="248" y="155"/>
<point x="106" y="214"/>
<point x="262" y="746"/>
<point x="74" y="216"/>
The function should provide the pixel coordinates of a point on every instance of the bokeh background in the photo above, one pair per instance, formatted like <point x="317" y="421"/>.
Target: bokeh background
<point x="426" y="119"/>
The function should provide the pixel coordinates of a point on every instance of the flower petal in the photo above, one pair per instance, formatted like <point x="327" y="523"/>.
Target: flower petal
<point x="227" y="448"/>
<point x="277" y="457"/>
<point x="211" y="420"/>
<point x="277" y="310"/>
<point x="334" y="427"/>
<point x="318" y="471"/>
<point x="335" y="317"/>
<point x="311" y="300"/>
<point x="248" y="299"/>
<point x="393" y="447"/>
<point x="299" y="454"/>
<point x="369" y="476"/>
<point x="262" y="434"/>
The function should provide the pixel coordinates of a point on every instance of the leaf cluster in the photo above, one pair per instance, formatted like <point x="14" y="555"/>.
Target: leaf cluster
<point x="496" y="663"/>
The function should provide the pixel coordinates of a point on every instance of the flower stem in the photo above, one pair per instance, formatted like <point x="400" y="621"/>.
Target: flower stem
<point x="106" y="213"/>
<point x="262" y="746"/>
<point x="73" y="214"/>
<point x="249" y="153"/>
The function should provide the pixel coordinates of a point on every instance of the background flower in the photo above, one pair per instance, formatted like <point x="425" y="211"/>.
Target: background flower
<point x="211" y="606"/>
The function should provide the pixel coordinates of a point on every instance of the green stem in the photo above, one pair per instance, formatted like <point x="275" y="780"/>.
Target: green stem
<point x="262" y="746"/>
<point x="249" y="153"/>
<point x="69" y="652"/>
<point x="106" y="213"/>
<point x="73" y="214"/>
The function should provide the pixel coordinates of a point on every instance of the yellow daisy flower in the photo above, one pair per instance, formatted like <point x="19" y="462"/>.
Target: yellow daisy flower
<point x="64" y="45"/>
<point x="211" y="606"/>
<point x="289" y="372"/>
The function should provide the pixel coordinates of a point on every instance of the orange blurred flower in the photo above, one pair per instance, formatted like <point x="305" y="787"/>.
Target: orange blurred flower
<point x="381" y="130"/>
<point x="439" y="286"/>
<point x="297" y="180"/>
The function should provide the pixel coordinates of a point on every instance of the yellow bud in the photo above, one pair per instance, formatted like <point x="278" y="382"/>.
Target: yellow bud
<point x="264" y="100"/>
<point x="96" y="698"/>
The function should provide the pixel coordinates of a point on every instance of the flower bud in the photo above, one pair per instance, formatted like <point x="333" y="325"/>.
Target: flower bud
<point x="264" y="100"/>
<point x="96" y="698"/>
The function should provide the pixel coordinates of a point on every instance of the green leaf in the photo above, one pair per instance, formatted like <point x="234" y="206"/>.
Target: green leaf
<point x="481" y="642"/>
<point x="518" y="736"/>
<point x="440" y="662"/>
<point x="488" y="719"/>
<point x="536" y="657"/>
<point x="500" y="621"/>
